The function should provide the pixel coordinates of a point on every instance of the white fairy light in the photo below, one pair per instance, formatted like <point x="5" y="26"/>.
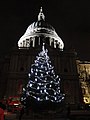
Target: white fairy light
<point x="40" y="91"/>
<point x="57" y="76"/>
<point x="24" y="89"/>
<point x="45" y="68"/>
<point x="35" y="61"/>
<point x="55" y="98"/>
<point x="47" y="64"/>
<point x="41" y="66"/>
<point x="59" y="91"/>
<point x="36" y="70"/>
<point x="38" y="87"/>
<point x="59" y="88"/>
<point x="38" y="99"/>
<point x="51" y="82"/>
<point x="35" y="79"/>
<point x="32" y="71"/>
<point x="46" y="72"/>
<point x="45" y="90"/>
<point x="39" y="83"/>
<point x="46" y="98"/>
<point x="62" y="98"/>
<point x="37" y="64"/>
<point x="30" y="85"/>
<point x="58" y="82"/>
<point x="41" y="74"/>
<point x="29" y="74"/>
<point x="45" y="86"/>
<point x="50" y="66"/>
<point x="50" y="86"/>
<point x="36" y="73"/>
<point x="52" y="71"/>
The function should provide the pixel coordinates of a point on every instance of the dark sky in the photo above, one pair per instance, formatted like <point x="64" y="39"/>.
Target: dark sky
<point x="70" y="18"/>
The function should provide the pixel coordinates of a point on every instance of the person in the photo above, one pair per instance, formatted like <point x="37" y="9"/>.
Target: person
<point x="22" y="111"/>
<point x="68" y="111"/>
<point x="2" y="108"/>
<point x="1" y="114"/>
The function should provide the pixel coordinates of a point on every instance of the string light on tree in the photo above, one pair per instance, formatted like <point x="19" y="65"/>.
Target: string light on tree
<point x="43" y="84"/>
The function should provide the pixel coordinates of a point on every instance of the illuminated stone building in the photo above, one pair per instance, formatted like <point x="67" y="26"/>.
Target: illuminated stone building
<point x="15" y="67"/>
<point x="84" y="77"/>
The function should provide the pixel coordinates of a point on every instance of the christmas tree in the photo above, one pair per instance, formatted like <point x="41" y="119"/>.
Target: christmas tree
<point x="43" y="87"/>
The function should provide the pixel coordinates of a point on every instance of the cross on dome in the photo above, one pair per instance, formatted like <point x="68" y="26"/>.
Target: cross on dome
<point x="41" y="16"/>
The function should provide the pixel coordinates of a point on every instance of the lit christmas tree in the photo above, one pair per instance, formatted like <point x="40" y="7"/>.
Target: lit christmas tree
<point x="43" y="86"/>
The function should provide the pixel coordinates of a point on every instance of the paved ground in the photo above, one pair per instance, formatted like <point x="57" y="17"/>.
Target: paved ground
<point x="10" y="116"/>
<point x="14" y="117"/>
<point x="75" y="115"/>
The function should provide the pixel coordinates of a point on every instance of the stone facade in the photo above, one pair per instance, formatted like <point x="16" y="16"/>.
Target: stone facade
<point x="15" y="66"/>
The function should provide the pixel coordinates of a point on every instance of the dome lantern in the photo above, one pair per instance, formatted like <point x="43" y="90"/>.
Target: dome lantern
<point x="41" y="16"/>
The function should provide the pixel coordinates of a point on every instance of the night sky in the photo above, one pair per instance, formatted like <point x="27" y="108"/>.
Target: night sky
<point x="70" y="18"/>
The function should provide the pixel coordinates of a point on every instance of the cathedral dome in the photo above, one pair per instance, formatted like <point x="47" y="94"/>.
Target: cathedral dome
<point x="37" y="29"/>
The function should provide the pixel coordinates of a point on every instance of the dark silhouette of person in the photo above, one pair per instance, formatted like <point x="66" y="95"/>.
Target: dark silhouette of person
<point x="22" y="111"/>
<point x="68" y="111"/>
<point x="25" y="108"/>
<point x="2" y="108"/>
